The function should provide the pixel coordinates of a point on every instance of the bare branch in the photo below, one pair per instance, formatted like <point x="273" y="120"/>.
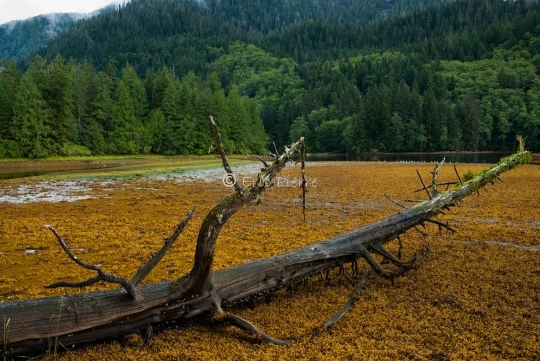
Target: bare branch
<point x="441" y="224"/>
<point x="379" y="248"/>
<point x="457" y="173"/>
<point x="275" y="150"/>
<point x="102" y="276"/>
<point x="347" y="306"/>
<point x="266" y="165"/>
<point x="424" y="184"/>
<point x="422" y="233"/>
<point x="147" y="268"/>
<point x="521" y="141"/>
<point x="438" y="184"/>
<point x="199" y="280"/>
<point x="396" y="203"/>
<point x="304" y="181"/>
<point x="404" y="267"/>
<point x="434" y="179"/>
<point x="221" y="151"/>
<point x="343" y="272"/>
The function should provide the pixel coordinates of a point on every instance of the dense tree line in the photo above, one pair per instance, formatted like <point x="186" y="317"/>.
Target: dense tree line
<point x="393" y="102"/>
<point x="464" y="75"/>
<point x="70" y="109"/>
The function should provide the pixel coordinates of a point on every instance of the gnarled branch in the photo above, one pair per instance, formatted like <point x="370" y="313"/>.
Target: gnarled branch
<point x="435" y="173"/>
<point x="130" y="285"/>
<point x="199" y="280"/>
<point x="102" y="276"/>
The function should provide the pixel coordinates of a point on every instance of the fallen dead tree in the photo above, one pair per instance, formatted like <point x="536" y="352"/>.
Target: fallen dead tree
<point x="31" y="326"/>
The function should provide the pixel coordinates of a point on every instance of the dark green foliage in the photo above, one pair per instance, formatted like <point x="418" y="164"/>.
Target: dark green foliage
<point x="68" y="109"/>
<point x="31" y="115"/>
<point x="347" y="75"/>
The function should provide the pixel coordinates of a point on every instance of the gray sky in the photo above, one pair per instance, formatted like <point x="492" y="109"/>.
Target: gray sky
<point x="23" y="9"/>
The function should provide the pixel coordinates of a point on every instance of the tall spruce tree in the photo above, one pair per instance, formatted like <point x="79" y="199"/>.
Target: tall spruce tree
<point x="30" y="114"/>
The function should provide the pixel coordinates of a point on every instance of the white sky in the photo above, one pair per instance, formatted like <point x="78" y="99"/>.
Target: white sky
<point x="23" y="9"/>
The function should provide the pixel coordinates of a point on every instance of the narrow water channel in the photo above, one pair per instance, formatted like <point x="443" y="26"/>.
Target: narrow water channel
<point x="8" y="171"/>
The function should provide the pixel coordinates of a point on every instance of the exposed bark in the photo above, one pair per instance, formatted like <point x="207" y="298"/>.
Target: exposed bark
<point x="98" y="316"/>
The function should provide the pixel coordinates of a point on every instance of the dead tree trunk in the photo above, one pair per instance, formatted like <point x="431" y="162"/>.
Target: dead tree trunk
<point x="32" y="326"/>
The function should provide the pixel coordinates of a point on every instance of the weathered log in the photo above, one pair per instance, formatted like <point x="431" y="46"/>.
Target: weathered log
<point x="91" y="317"/>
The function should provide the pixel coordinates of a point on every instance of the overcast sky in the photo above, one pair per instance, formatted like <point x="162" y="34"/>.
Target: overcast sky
<point x="23" y="9"/>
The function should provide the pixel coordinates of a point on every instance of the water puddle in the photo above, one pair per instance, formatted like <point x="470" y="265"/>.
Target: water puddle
<point x="68" y="191"/>
<point x="76" y="190"/>
<point x="71" y="191"/>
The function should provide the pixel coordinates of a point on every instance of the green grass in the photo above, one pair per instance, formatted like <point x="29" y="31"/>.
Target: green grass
<point x="154" y="167"/>
<point x="117" y="166"/>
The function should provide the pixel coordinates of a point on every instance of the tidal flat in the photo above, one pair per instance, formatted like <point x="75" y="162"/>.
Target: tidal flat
<point x="476" y="297"/>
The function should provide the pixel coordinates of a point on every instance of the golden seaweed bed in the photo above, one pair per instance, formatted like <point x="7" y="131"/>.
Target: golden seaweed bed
<point x="476" y="297"/>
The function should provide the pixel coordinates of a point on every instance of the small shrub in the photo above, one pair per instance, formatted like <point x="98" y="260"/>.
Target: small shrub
<point x="70" y="149"/>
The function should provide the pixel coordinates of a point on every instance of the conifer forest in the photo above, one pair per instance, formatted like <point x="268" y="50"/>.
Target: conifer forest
<point x="350" y="76"/>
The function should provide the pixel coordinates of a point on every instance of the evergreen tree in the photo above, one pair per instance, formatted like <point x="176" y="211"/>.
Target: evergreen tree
<point x="9" y="80"/>
<point x="124" y="136"/>
<point x="155" y="130"/>
<point x="102" y="103"/>
<point x="31" y="113"/>
<point x="299" y="128"/>
<point x="57" y="91"/>
<point x="470" y="116"/>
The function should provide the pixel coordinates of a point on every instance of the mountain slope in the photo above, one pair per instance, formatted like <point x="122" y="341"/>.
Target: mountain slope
<point x="21" y="38"/>
<point x="153" y="33"/>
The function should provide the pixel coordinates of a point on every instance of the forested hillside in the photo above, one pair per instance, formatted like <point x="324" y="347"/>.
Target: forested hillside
<point x="191" y="33"/>
<point x="349" y="75"/>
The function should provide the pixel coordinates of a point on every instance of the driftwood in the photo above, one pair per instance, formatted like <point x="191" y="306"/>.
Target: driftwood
<point x="39" y="325"/>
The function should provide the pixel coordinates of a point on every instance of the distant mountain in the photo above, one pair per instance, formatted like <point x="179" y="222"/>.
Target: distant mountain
<point x="21" y="38"/>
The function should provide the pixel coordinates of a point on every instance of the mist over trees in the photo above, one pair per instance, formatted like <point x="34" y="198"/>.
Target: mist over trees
<point x="463" y="75"/>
